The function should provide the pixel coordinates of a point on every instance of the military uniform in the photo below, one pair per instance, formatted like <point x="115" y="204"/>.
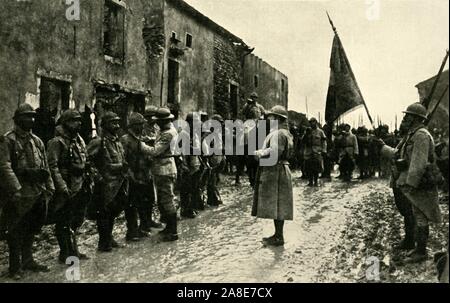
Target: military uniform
<point x="348" y="154"/>
<point x="216" y="162"/>
<point x="190" y="174"/>
<point x="315" y="145"/>
<point x="164" y="172"/>
<point x="363" y="159"/>
<point x="141" y="193"/>
<point x="413" y="174"/>
<point x="107" y="155"/>
<point x="24" y="171"/>
<point x="67" y="157"/>
<point x="273" y="195"/>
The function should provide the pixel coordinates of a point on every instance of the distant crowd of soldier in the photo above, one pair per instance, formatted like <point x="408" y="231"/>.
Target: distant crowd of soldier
<point x="133" y="170"/>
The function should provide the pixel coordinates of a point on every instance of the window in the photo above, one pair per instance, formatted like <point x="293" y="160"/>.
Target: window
<point x="114" y="30"/>
<point x="282" y="85"/>
<point x="189" y="40"/>
<point x="174" y="36"/>
<point x="256" y="81"/>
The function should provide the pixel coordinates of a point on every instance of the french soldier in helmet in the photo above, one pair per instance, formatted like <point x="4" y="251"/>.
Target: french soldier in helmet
<point x="413" y="181"/>
<point x="27" y="188"/>
<point x="67" y="157"/>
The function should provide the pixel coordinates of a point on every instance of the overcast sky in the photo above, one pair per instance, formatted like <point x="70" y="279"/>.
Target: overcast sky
<point x="392" y="45"/>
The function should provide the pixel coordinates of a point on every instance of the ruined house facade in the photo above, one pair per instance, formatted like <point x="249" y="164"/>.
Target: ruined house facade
<point x="122" y="56"/>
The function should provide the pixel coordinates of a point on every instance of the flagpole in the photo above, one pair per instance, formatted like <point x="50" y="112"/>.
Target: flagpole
<point x="352" y="74"/>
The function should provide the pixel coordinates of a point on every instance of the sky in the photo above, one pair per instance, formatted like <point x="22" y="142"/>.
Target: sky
<point x="392" y="45"/>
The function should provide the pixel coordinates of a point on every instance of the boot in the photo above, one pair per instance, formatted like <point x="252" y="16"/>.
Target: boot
<point x="132" y="224"/>
<point x="63" y="242"/>
<point x="408" y="242"/>
<point x="28" y="263"/>
<point x="104" y="237"/>
<point x="420" y="253"/>
<point x="74" y="247"/>
<point x="15" y="271"/>
<point x="170" y="234"/>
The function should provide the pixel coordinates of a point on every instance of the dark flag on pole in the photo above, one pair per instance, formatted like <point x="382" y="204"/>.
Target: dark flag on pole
<point x="344" y="94"/>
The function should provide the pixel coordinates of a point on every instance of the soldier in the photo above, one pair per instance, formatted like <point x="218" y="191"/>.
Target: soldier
<point x="252" y="110"/>
<point x="111" y="189"/>
<point x="328" y="156"/>
<point x="315" y="145"/>
<point x="151" y="130"/>
<point x="67" y="157"/>
<point x="363" y="159"/>
<point x="190" y="172"/>
<point x="164" y="172"/>
<point x="215" y="162"/>
<point x="349" y="152"/>
<point x="27" y="187"/>
<point x="414" y="178"/>
<point x="141" y="191"/>
<point x="273" y="197"/>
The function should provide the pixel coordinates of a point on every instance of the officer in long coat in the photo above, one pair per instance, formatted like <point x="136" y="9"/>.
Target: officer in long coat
<point x="26" y="187"/>
<point x="414" y="176"/>
<point x="273" y="196"/>
<point x="107" y="155"/>
<point x="164" y="171"/>
<point x="67" y="158"/>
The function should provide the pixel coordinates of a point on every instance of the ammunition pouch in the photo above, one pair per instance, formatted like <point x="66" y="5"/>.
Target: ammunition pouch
<point x="401" y="165"/>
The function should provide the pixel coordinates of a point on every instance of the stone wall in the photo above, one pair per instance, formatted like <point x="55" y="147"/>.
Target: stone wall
<point x="273" y="86"/>
<point x="38" y="41"/>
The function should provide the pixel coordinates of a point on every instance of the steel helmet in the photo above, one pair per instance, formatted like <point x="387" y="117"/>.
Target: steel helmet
<point x="110" y="116"/>
<point x="70" y="114"/>
<point x="416" y="109"/>
<point x="278" y="110"/>
<point x="24" y="109"/>
<point x="135" y="119"/>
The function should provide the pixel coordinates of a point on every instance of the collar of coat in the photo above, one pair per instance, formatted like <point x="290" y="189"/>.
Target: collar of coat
<point x="107" y="135"/>
<point x="21" y="133"/>
<point x="61" y="131"/>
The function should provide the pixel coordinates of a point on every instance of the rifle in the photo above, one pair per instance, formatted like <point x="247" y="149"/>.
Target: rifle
<point x="427" y="100"/>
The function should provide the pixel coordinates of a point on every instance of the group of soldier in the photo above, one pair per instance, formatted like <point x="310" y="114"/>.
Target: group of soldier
<point x="135" y="169"/>
<point x="68" y="181"/>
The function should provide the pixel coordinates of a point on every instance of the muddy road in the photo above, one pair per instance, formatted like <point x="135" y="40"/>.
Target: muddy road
<point x="338" y="227"/>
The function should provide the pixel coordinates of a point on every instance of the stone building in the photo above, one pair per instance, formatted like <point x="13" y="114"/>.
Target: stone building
<point x="122" y="55"/>
<point x="271" y="85"/>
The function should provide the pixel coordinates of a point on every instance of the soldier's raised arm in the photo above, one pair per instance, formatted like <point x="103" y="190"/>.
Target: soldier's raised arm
<point x="161" y="146"/>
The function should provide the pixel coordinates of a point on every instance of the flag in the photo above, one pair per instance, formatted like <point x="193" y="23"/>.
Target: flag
<point x="343" y="91"/>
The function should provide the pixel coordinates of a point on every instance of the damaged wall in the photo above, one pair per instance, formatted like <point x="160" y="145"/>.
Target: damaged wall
<point x="194" y="90"/>
<point x="272" y="85"/>
<point x="38" y="41"/>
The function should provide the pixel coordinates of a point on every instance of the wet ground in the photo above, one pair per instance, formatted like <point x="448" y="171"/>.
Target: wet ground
<point x="337" y="228"/>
